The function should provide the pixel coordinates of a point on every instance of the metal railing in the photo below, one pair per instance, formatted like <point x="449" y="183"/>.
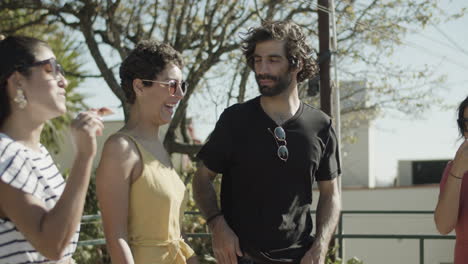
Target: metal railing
<point x="340" y="236"/>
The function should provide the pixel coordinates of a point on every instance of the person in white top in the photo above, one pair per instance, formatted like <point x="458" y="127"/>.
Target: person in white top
<point x="39" y="213"/>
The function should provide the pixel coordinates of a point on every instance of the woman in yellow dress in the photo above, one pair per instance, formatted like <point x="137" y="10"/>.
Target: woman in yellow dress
<point x="141" y="197"/>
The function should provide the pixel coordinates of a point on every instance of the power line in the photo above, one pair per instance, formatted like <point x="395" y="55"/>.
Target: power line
<point x="445" y="44"/>
<point x="407" y="43"/>
<point x="454" y="43"/>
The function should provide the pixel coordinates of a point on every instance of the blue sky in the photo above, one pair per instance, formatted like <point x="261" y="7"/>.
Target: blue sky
<point x="433" y="136"/>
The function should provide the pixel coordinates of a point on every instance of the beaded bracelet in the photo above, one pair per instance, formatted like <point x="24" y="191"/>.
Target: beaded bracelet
<point x="451" y="174"/>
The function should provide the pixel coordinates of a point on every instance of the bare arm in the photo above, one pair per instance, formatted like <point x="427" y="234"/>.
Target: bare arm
<point x="113" y="180"/>
<point x="328" y="212"/>
<point x="446" y="212"/>
<point x="51" y="230"/>
<point x="225" y="242"/>
<point x="204" y="192"/>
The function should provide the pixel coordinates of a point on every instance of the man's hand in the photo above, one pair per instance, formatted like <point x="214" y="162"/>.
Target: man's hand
<point x="328" y="212"/>
<point x="315" y="255"/>
<point x="225" y="242"/>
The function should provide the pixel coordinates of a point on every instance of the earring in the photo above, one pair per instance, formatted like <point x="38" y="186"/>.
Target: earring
<point x="20" y="99"/>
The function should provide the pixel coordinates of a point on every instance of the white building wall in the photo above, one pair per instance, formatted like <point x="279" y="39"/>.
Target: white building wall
<point x="64" y="159"/>
<point x="357" y="158"/>
<point x="404" y="173"/>
<point x="357" y="132"/>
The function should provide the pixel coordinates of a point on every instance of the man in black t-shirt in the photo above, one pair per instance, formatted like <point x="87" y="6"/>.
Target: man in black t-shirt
<point x="269" y="151"/>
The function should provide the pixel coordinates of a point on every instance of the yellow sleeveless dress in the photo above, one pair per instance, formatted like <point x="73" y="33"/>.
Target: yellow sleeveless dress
<point x="156" y="207"/>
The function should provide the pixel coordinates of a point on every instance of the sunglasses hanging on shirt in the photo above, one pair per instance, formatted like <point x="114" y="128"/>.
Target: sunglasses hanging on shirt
<point x="280" y="138"/>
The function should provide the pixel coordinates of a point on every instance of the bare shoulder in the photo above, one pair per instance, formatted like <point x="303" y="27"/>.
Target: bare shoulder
<point x="120" y="147"/>
<point x="119" y="157"/>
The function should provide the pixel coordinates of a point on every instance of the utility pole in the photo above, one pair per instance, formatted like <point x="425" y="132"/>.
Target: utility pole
<point x="337" y="110"/>
<point x="324" y="57"/>
<point x="326" y="101"/>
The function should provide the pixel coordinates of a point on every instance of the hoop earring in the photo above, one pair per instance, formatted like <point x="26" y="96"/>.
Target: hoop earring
<point x="20" y="99"/>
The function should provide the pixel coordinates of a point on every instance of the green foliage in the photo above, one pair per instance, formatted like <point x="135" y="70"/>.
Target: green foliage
<point x="353" y="260"/>
<point x="91" y="230"/>
<point x="331" y="259"/>
<point x="196" y="224"/>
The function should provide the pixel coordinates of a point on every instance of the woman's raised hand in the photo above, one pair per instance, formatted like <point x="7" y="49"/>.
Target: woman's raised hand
<point x="460" y="163"/>
<point x="85" y="127"/>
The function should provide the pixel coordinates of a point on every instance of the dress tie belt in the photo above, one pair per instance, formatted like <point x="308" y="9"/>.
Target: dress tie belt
<point x="177" y="247"/>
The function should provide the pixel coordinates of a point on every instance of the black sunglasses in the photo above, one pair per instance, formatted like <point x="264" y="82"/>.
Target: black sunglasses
<point x="280" y="137"/>
<point x="55" y="67"/>
<point x="463" y="122"/>
<point x="172" y="84"/>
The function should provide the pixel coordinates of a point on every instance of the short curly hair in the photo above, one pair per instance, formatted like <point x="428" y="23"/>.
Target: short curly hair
<point x="297" y="49"/>
<point x="146" y="61"/>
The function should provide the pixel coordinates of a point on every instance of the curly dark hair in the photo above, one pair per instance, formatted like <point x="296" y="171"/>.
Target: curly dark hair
<point x="146" y="61"/>
<point x="461" y="110"/>
<point x="297" y="49"/>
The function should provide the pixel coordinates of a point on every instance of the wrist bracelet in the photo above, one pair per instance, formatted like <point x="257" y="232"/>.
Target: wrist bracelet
<point x="451" y="174"/>
<point x="211" y="218"/>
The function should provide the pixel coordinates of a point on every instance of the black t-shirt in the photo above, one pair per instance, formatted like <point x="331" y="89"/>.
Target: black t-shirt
<point x="265" y="200"/>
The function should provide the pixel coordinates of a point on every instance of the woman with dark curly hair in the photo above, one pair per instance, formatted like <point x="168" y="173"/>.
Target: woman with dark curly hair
<point x="452" y="209"/>
<point x="40" y="212"/>
<point x="141" y="197"/>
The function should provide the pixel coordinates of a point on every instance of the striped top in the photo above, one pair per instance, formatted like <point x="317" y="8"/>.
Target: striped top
<point x="34" y="173"/>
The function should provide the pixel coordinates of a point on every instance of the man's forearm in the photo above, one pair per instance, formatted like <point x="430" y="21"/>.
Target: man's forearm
<point x="328" y="212"/>
<point x="205" y="195"/>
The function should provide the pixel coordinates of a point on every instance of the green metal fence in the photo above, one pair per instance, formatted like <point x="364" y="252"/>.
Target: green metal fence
<point x="340" y="235"/>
